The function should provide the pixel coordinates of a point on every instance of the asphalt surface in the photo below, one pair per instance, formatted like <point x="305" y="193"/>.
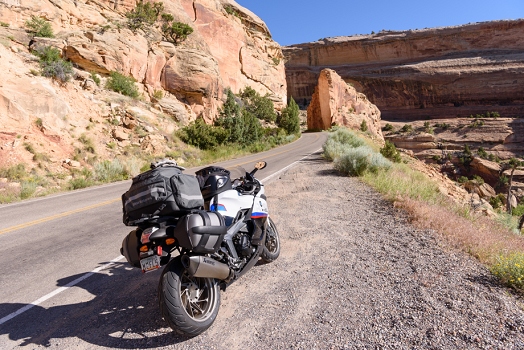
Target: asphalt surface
<point x="61" y="266"/>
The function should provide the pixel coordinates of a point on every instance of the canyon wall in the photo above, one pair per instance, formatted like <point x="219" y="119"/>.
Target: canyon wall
<point x="230" y="47"/>
<point x="421" y="74"/>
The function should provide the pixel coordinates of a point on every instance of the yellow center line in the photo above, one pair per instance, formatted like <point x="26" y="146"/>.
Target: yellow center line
<point x="61" y="215"/>
<point x="274" y="154"/>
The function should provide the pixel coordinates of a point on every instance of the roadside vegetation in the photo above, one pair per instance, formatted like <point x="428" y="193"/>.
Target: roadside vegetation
<point x="239" y="127"/>
<point x="500" y="249"/>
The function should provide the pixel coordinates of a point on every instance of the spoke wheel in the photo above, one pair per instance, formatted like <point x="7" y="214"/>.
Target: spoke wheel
<point x="188" y="304"/>
<point x="271" y="249"/>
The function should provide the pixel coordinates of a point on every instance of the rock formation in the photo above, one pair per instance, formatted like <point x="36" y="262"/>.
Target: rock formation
<point x="336" y="103"/>
<point x="421" y="74"/>
<point x="230" y="47"/>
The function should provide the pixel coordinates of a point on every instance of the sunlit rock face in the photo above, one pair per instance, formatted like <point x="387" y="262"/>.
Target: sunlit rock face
<point x="417" y="74"/>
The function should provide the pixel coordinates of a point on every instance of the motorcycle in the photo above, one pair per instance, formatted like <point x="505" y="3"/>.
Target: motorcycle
<point x="205" y="250"/>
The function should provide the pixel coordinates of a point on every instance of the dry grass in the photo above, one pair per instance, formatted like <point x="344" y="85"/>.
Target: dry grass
<point x="479" y="236"/>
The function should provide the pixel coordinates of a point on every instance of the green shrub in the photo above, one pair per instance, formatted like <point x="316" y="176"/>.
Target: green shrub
<point x="498" y="201"/>
<point x="176" y="32"/>
<point x="482" y="153"/>
<point x="95" y="78"/>
<point x="289" y="118"/>
<point x="122" y="84"/>
<point x="510" y="269"/>
<point x="109" y="171"/>
<point x="357" y="161"/>
<point x="80" y="182"/>
<point x="3" y="24"/>
<point x="388" y="127"/>
<point x="144" y="14"/>
<point x="89" y="145"/>
<point x="39" y="27"/>
<point x="406" y="128"/>
<point x="462" y="179"/>
<point x="390" y="152"/>
<point x="52" y="65"/>
<point x="158" y="95"/>
<point x="518" y="211"/>
<point x="15" y="172"/>
<point x="363" y="126"/>
<point x="203" y="136"/>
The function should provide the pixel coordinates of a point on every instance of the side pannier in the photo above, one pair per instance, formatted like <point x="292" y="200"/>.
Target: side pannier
<point x="201" y="231"/>
<point x="162" y="191"/>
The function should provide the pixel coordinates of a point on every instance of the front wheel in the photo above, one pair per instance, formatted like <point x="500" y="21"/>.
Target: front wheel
<point x="188" y="304"/>
<point x="271" y="249"/>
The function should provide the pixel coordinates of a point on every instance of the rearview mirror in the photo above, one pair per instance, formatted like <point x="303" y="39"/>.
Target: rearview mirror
<point x="260" y="165"/>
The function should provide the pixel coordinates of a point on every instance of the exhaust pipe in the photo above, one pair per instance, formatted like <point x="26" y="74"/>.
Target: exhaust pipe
<point x="201" y="266"/>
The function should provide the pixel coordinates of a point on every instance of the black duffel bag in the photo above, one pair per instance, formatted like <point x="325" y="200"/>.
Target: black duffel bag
<point x="162" y="191"/>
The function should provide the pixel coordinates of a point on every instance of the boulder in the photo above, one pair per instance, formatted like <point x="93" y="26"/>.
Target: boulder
<point x="337" y="103"/>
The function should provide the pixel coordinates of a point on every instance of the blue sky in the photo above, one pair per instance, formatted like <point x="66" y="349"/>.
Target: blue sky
<point x="301" y="21"/>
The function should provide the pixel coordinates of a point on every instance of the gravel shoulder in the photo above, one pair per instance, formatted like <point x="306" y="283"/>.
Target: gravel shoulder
<point x="352" y="274"/>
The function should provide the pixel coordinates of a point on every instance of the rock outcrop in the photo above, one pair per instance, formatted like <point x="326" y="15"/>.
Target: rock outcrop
<point x="421" y="74"/>
<point x="230" y="47"/>
<point x="336" y="103"/>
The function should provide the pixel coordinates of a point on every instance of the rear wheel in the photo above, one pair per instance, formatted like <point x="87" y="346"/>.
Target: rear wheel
<point x="271" y="249"/>
<point x="188" y="304"/>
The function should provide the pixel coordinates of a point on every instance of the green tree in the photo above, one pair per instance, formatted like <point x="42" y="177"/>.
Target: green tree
<point x="175" y="32"/>
<point x="144" y="14"/>
<point x="39" y="27"/>
<point x="260" y="106"/>
<point x="289" y="119"/>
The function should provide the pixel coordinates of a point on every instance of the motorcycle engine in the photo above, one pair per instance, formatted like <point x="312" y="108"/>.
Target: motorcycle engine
<point x="243" y="245"/>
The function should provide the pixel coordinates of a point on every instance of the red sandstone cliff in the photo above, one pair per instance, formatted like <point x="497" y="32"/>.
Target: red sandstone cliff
<point x="441" y="72"/>
<point x="336" y="103"/>
<point x="229" y="48"/>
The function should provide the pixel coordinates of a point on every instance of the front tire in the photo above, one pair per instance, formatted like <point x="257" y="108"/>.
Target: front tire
<point x="188" y="304"/>
<point x="271" y="249"/>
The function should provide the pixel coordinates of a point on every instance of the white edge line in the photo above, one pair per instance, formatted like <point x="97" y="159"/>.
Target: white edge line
<point x="58" y="291"/>
<point x="266" y="179"/>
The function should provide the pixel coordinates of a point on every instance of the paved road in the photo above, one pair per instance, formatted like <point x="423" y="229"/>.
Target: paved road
<point x="60" y="256"/>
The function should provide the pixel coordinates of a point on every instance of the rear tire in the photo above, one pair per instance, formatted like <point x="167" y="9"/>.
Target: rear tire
<point x="271" y="249"/>
<point x="188" y="304"/>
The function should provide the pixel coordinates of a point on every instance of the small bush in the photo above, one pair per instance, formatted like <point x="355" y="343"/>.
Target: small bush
<point x="52" y="65"/>
<point x="390" y="152"/>
<point x="3" y="24"/>
<point x="357" y="161"/>
<point x="15" y="172"/>
<point x="388" y="127"/>
<point x="39" y="27"/>
<point x="510" y="269"/>
<point x="482" y="153"/>
<point x="158" y="95"/>
<point x="122" y="84"/>
<point x="406" y="128"/>
<point x="203" y="136"/>
<point x="89" y="145"/>
<point x="363" y="126"/>
<point x="109" y="171"/>
<point x="80" y="182"/>
<point x="96" y="78"/>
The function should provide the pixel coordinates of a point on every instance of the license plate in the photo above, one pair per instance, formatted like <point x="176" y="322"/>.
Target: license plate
<point x="150" y="264"/>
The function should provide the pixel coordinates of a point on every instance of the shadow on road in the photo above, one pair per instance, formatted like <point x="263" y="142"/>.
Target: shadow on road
<point x="122" y="312"/>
